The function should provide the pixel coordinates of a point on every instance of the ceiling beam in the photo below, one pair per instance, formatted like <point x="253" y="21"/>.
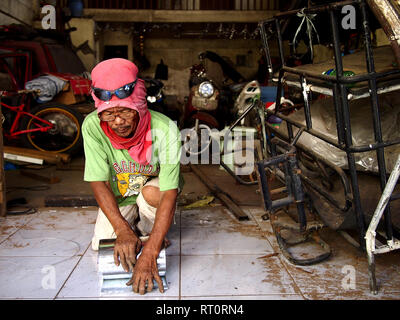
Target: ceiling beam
<point x="177" y="16"/>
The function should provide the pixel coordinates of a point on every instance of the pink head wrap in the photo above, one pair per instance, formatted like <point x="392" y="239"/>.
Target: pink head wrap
<point x="112" y="74"/>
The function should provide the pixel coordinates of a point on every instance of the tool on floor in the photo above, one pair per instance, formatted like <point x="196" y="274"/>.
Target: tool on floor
<point x="114" y="278"/>
<point x="293" y="237"/>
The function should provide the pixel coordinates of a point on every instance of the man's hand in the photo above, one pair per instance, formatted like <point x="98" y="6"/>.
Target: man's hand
<point x="145" y="271"/>
<point x="127" y="246"/>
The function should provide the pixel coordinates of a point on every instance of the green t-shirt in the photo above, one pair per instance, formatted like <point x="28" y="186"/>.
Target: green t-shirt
<point x="126" y="176"/>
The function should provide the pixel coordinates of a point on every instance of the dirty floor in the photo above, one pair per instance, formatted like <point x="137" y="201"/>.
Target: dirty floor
<point x="213" y="255"/>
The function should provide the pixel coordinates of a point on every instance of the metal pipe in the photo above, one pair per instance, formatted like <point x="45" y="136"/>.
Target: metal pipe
<point x="307" y="112"/>
<point x="338" y="115"/>
<point x="347" y="128"/>
<point x="341" y="78"/>
<point x="311" y="131"/>
<point x="371" y="232"/>
<point x="376" y="116"/>
<point x="264" y="38"/>
<point x="280" y="43"/>
<point x="343" y="178"/>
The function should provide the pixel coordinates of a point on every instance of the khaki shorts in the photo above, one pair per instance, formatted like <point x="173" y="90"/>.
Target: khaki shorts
<point x="147" y="214"/>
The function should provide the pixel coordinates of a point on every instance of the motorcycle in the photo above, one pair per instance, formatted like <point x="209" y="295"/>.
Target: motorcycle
<point x="210" y="102"/>
<point x="156" y="99"/>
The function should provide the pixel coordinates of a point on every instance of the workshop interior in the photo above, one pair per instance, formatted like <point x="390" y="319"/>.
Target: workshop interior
<point x="289" y="115"/>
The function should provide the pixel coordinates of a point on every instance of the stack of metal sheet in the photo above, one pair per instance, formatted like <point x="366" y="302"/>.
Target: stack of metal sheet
<point x="114" y="278"/>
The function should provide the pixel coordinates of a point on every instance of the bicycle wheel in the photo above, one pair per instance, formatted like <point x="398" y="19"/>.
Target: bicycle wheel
<point x="65" y="136"/>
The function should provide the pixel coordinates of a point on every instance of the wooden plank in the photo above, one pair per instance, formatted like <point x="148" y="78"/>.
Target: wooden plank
<point x="49" y="157"/>
<point x="70" y="201"/>
<point x="176" y="16"/>
<point x="222" y="196"/>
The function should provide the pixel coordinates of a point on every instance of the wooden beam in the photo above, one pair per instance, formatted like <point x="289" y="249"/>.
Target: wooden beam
<point x="178" y="16"/>
<point x="48" y="157"/>
<point x="221" y="195"/>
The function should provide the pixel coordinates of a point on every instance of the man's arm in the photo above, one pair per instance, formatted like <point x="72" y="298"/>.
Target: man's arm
<point x="127" y="245"/>
<point x="146" y="268"/>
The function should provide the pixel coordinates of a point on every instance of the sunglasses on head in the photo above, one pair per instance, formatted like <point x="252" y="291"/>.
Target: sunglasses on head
<point x="121" y="93"/>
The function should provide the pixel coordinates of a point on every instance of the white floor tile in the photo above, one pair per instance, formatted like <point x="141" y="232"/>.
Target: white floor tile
<point x="39" y="243"/>
<point x="210" y="217"/>
<point x="85" y="282"/>
<point x="33" y="277"/>
<point x="225" y="275"/>
<point x="63" y="218"/>
<point x="11" y="224"/>
<point x="203" y="241"/>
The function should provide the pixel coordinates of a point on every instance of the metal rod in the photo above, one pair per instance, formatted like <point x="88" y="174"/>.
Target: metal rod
<point x="279" y="92"/>
<point x="370" y="234"/>
<point x="338" y="115"/>
<point x="249" y="108"/>
<point x="307" y="112"/>
<point x="343" y="178"/>
<point x="341" y="79"/>
<point x="376" y="117"/>
<point x="311" y="131"/>
<point x="347" y="129"/>
<point x="266" y="48"/>
<point x="280" y="43"/>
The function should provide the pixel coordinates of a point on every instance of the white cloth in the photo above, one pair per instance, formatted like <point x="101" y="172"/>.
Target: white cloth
<point x="48" y="85"/>
<point x="147" y="214"/>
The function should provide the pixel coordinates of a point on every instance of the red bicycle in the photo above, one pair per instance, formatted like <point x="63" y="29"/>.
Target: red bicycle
<point x="52" y="127"/>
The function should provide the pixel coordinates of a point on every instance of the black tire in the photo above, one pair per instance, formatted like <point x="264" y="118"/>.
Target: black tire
<point x="66" y="137"/>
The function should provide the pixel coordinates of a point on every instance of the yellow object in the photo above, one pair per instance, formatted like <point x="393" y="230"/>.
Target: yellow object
<point x="200" y="203"/>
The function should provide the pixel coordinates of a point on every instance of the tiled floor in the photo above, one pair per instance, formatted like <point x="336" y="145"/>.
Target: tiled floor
<point x="47" y="255"/>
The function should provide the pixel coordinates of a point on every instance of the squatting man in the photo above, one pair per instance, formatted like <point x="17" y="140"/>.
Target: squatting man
<point x="132" y="161"/>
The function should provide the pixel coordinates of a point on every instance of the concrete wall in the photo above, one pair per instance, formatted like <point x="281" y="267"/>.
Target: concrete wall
<point x="85" y="29"/>
<point x="180" y="54"/>
<point x="21" y="9"/>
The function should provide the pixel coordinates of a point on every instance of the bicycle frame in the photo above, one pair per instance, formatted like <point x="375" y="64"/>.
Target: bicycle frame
<point x="14" y="132"/>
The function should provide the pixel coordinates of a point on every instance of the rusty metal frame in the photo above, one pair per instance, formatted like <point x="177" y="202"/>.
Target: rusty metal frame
<point x="337" y="86"/>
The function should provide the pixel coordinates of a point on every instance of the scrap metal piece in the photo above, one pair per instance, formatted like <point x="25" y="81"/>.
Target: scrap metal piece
<point x="291" y="235"/>
<point x="299" y="247"/>
<point x="114" y="278"/>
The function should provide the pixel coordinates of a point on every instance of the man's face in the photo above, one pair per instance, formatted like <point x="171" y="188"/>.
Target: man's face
<point x="123" y="120"/>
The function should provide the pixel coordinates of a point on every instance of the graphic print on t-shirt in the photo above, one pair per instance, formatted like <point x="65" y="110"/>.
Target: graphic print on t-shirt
<point x="131" y="177"/>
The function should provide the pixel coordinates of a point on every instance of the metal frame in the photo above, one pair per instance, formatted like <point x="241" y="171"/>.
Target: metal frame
<point x="370" y="237"/>
<point x="337" y="86"/>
